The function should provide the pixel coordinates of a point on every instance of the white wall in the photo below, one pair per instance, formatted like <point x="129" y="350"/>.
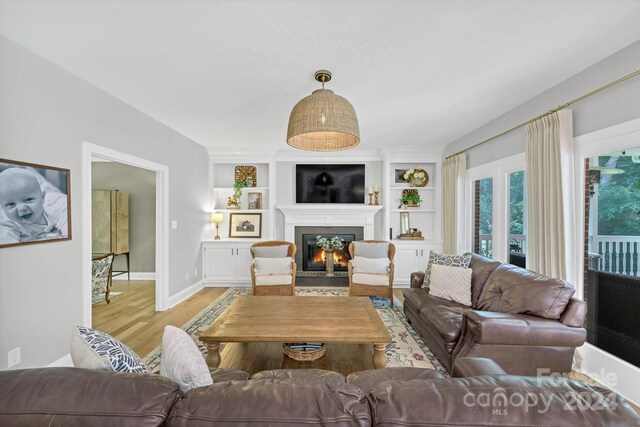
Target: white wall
<point x="141" y="186"/>
<point x="45" y="115"/>
<point x="612" y="106"/>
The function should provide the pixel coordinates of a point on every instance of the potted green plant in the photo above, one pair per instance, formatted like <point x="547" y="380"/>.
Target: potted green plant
<point x="410" y="199"/>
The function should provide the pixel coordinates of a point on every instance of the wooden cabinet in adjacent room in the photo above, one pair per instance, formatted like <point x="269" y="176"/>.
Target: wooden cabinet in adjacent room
<point x="110" y="221"/>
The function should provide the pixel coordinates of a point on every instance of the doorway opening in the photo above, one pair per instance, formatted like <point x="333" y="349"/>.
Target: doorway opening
<point x="93" y="153"/>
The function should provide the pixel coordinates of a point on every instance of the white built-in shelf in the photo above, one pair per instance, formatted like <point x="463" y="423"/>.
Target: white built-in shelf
<point x="232" y="240"/>
<point x="244" y="188"/>
<point x="412" y="210"/>
<point x="408" y="187"/>
<point x="242" y="210"/>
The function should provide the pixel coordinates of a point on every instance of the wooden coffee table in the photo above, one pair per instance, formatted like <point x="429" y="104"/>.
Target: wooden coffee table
<point x="285" y="319"/>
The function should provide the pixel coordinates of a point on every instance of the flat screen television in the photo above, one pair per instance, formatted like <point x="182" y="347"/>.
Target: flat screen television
<point x="330" y="184"/>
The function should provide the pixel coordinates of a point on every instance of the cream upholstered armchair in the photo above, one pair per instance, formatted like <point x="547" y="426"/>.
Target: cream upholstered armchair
<point x="371" y="268"/>
<point x="273" y="270"/>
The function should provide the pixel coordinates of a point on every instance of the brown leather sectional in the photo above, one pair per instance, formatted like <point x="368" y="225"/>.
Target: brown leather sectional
<point x="383" y="397"/>
<point x="528" y="323"/>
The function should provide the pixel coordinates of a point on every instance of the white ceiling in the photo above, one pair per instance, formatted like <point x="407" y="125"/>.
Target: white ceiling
<point x="226" y="73"/>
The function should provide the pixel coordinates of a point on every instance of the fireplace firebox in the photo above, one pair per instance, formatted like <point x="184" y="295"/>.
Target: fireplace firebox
<point x="313" y="257"/>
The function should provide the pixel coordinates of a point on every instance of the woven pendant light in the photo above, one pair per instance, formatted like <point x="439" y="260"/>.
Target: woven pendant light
<point x="323" y="121"/>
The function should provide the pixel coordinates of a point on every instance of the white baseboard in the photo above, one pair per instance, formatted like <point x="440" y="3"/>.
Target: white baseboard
<point x="64" y="361"/>
<point x="600" y="365"/>
<point x="136" y="276"/>
<point x="227" y="285"/>
<point x="176" y="299"/>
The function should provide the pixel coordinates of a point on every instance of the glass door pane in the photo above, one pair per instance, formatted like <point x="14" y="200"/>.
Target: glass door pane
<point x="483" y="217"/>
<point x="612" y="227"/>
<point x="517" y="242"/>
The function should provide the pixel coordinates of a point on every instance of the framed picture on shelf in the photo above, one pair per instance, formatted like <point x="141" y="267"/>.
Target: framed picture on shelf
<point x="399" y="176"/>
<point x="254" y="200"/>
<point x="245" y="225"/>
<point x="35" y="203"/>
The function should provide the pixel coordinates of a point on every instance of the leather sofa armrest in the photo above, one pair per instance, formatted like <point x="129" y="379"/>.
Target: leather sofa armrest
<point x="228" y="374"/>
<point x="488" y="327"/>
<point x="575" y="313"/>
<point x="417" y="279"/>
<point x="473" y="366"/>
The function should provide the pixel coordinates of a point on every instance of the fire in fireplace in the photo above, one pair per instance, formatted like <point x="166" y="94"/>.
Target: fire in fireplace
<point x="313" y="257"/>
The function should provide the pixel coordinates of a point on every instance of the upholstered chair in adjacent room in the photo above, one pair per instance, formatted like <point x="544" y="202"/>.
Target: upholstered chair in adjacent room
<point x="371" y="268"/>
<point x="273" y="270"/>
<point x="101" y="267"/>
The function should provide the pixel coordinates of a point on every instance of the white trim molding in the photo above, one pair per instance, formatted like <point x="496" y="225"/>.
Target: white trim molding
<point x="177" y="298"/>
<point x="64" y="361"/>
<point x="611" y="371"/>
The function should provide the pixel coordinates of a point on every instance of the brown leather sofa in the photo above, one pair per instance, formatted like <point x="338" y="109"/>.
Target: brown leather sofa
<point x="528" y="323"/>
<point x="384" y="397"/>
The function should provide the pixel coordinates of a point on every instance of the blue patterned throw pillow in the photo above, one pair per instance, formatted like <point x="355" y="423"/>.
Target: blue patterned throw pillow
<point x="96" y="350"/>
<point x="449" y="260"/>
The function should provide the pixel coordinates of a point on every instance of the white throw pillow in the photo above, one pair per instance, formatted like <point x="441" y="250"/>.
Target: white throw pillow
<point x="182" y="361"/>
<point x="371" y="249"/>
<point x="450" y="260"/>
<point x="278" y="251"/>
<point x="270" y="266"/>
<point x="92" y="349"/>
<point x="452" y="283"/>
<point x="370" y="265"/>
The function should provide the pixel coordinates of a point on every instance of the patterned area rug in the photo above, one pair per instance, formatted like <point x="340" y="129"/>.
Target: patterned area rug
<point x="100" y="298"/>
<point x="406" y="348"/>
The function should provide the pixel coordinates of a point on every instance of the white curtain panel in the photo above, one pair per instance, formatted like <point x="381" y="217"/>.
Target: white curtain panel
<point x="549" y="165"/>
<point x="454" y="171"/>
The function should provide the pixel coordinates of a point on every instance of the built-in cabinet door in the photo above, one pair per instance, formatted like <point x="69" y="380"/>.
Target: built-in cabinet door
<point x="242" y="264"/>
<point x="405" y="262"/>
<point x="218" y="263"/>
<point x="423" y="259"/>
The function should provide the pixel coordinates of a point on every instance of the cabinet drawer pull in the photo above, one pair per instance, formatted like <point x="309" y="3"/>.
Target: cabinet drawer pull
<point x="416" y="252"/>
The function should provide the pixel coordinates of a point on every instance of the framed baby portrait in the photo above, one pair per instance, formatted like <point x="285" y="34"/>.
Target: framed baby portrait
<point x="35" y="203"/>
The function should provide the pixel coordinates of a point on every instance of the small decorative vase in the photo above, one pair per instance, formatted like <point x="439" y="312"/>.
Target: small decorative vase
<point x="415" y="182"/>
<point x="328" y="264"/>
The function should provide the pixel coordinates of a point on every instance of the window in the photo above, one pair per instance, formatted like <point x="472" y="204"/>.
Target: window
<point x="483" y="215"/>
<point x="496" y="210"/>
<point x="517" y="243"/>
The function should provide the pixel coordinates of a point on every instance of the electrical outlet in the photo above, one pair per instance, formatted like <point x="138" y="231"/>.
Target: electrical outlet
<point x="186" y="276"/>
<point x="14" y="357"/>
<point x="195" y="272"/>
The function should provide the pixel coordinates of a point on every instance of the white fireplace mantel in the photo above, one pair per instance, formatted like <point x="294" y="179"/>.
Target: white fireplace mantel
<point x="327" y="215"/>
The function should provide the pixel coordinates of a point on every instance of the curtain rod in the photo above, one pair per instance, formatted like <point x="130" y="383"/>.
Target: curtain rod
<point x="565" y="105"/>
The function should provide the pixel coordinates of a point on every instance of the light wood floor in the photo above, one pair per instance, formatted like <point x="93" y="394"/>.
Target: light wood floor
<point x="131" y="318"/>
